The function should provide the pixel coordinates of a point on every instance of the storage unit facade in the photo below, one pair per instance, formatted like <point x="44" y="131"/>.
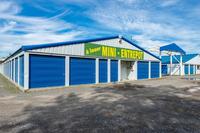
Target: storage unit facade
<point x="190" y="65"/>
<point x="93" y="61"/>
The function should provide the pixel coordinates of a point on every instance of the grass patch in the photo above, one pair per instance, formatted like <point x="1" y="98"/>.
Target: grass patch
<point x="7" y="85"/>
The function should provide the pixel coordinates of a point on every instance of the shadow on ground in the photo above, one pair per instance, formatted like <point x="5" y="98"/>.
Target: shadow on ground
<point x="119" y="108"/>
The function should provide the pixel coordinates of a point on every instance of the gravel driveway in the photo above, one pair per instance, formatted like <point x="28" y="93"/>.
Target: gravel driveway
<point x="161" y="106"/>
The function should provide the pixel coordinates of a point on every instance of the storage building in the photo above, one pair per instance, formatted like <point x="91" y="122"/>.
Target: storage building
<point x="190" y="64"/>
<point x="90" y="61"/>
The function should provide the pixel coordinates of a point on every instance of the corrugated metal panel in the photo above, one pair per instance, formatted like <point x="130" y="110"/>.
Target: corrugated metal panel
<point x="68" y="49"/>
<point x="114" y="70"/>
<point x="186" y="69"/>
<point x="21" y="69"/>
<point x="155" y="69"/>
<point x="164" y="70"/>
<point x="191" y="69"/>
<point x="16" y="70"/>
<point x="103" y="71"/>
<point x="143" y="70"/>
<point x="46" y="71"/>
<point x="82" y="71"/>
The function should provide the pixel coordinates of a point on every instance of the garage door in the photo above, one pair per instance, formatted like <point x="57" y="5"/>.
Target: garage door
<point x="21" y="70"/>
<point x="155" y="69"/>
<point x="46" y="71"/>
<point x="164" y="69"/>
<point x="191" y="69"/>
<point x="186" y="69"/>
<point x="143" y="70"/>
<point x="12" y="66"/>
<point x="82" y="71"/>
<point x="114" y="70"/>
<point x="16" y="70"/>
<point x="103" y="71"/>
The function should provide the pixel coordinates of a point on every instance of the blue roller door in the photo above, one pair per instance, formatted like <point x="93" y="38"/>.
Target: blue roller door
<point x="155" y="69"/>
<point x="186" y="69"/>
<point x="164" y="69"/>
<point x="114" y="70"/>
<point x="143" y="70"/>
<point x="21" y="70"/>
<point x="103" y="71"/>
<point x="12" y="70"/>
<point x="191" y="69"/>
<point x="82" y="71"/>
<point x="46" y="71"/>
<point x="16" y="70"/>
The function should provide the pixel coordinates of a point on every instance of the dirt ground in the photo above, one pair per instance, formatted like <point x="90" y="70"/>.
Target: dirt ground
<point x="166" y="105"/>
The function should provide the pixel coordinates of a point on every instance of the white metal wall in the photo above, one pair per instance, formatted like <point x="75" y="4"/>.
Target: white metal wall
<point x="1" y="68"/>
<point x="78" y="49"/>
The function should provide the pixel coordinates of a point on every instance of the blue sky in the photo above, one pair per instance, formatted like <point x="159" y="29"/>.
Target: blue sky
<point x="152" y="23"/>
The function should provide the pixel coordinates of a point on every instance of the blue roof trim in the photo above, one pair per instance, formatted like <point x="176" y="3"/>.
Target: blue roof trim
<point x="129" y="41"/>
<point x="31" y="47"/>
<point x="186" y="58"/>
<point x="172" y="47"/>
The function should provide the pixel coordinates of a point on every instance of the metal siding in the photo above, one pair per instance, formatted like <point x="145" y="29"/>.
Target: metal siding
<point x="46" y="71"/>
<point x="143" y="70"/>
<point x="191" y="69"/>
<point x="186" y="69"/>
<point x="155" y="69"/>
<point x="114" y="70"/>
<point x="21" y="70"/>
<point x="82" y="71"/>
<point x="103" y="71"/>
<point x="16" y="70"/>
<point x="5" y="69"/>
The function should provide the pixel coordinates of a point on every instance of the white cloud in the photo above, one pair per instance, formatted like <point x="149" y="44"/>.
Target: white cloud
<point x="17" y="30"/>
<point x="8" y="7"/>
<point x="166" y="3"/>
<point x="156" y="28"/>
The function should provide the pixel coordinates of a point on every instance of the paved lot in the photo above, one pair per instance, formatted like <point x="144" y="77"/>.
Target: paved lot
<point x="167" y="105"/>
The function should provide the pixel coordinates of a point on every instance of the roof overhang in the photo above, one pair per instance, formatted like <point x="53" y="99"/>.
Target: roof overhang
<point x="173" y="48"/>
